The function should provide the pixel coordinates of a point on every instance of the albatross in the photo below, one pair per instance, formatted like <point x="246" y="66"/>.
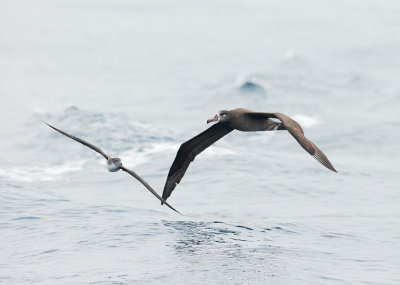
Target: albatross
<point x="242" y="120"/>
<point x="114" y="164"/>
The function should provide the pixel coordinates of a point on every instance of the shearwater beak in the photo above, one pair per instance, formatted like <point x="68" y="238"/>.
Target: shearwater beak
<point x="213" y="119"/>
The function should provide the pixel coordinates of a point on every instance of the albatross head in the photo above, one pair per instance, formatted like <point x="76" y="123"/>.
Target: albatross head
<point x="114" y="164"/>
<point x="222" y="116"/>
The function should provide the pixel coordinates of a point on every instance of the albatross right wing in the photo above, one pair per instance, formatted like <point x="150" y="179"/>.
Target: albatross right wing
<point x="95" y="148"/>
<point x="188" y="151"/>
<point x="297" y="132"/>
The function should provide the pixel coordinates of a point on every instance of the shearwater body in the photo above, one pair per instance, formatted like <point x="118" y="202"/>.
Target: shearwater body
<point x="138" y="79"/>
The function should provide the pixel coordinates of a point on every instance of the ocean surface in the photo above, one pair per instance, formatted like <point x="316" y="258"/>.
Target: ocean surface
<point x="138" y="78"/>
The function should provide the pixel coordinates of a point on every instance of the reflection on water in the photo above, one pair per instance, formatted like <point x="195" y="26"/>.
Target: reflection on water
<point x="192" y="236"/>
<point x="266" y="212"/>
<point x="235" y="247"/>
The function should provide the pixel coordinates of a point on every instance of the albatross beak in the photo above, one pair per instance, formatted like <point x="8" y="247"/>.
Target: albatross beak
<point x="213" y="119"/>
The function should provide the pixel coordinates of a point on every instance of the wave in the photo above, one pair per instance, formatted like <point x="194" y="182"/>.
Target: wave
<point x="41" y="173"/>
<point x="306" y="121"/>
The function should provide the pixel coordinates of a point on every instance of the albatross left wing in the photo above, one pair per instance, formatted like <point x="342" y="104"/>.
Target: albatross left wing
<point x="189" y="150"/>
<point x="141" y="180"/>
<point x="297" y="132"/>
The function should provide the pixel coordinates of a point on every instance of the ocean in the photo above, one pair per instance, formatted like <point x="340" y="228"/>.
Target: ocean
<point x="139" y="78"/>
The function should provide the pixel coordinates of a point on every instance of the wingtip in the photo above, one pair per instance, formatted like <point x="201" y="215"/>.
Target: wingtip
<point x="164" y="197"/>
<point x="173" y="208"/>
<point x="330" y="167"/>
<point x="179" y="212"/>
<point x="44" y="122"/>
<point x="163" y="201"/>
<point x="321" y="158"/>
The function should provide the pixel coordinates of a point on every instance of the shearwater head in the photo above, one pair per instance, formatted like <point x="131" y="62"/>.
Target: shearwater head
<point x="114" y="164"/>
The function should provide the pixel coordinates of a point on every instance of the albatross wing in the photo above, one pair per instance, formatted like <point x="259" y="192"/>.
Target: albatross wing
<point x="188" y="151"/>
<point x="297" y="132"/>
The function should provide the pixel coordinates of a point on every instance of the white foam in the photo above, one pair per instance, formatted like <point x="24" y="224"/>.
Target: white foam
<point x="40" y="173"/>
<point x="306" y="121"/>
<point x="216" y="151"/>
<point x="134" y="157"/>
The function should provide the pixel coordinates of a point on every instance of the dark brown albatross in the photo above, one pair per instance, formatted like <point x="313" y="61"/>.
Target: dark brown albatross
<point x="114" y="164"/>
<point x="242" y="120"/>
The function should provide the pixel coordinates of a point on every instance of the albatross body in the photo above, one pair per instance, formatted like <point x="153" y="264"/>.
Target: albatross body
<point x="114" y="164"/>
<point x="242" y="120"/>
